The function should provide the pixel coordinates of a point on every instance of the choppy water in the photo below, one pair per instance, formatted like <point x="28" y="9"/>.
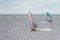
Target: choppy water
<point x="17" y="27"/>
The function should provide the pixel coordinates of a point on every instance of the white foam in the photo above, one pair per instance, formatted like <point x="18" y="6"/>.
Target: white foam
<point x="45" y="22"/>
<point x="45" y="29"/>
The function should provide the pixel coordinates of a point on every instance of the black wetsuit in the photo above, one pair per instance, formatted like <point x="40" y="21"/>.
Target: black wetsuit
<point x="34" y="25"/>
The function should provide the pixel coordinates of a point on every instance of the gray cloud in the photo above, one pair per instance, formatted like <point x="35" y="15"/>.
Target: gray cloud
<point x="23" y="6"/>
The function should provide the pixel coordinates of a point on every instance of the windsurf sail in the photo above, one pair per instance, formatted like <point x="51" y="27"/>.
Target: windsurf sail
<point x="33" y="24"/>
<point x="31" y="18"/>
<point x="49" y="18"/>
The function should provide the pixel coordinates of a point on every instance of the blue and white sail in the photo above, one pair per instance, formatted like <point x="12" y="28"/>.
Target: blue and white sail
<point x="49" y="18"/>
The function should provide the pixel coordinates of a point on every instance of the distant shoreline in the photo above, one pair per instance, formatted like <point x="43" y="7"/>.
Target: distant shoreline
<point x="24" y="14"/>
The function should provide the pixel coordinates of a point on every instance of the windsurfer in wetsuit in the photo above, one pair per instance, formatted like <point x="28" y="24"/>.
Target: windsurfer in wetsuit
<point x="33" y="28"/>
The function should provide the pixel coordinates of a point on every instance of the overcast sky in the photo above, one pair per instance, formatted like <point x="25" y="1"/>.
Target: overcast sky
<point x="24" y="6"/>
